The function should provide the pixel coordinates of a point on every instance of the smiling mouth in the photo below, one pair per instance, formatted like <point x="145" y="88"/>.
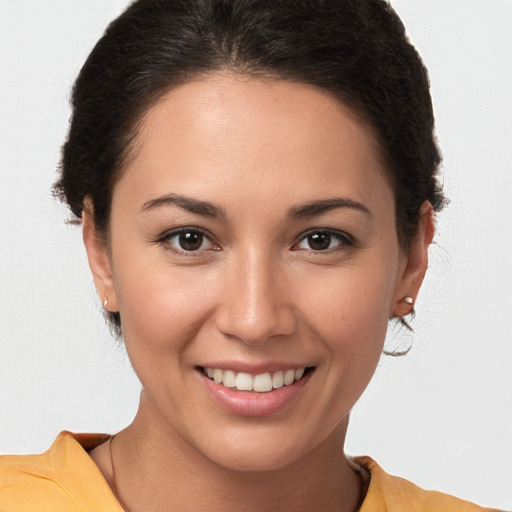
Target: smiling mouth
<point x="261" y="383"/>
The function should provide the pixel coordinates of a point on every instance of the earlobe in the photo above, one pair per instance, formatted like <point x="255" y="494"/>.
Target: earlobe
<point x="416" y="263"/>
<point x="99" y="261"/>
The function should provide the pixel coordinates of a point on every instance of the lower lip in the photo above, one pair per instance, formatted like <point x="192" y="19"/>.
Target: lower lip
<point x="251" y="403"/>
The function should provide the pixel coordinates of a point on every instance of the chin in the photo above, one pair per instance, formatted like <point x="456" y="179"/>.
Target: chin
<point x="255" y="452"/>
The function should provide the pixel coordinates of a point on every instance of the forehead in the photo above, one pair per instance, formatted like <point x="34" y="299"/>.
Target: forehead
<point x="229" y="130"/>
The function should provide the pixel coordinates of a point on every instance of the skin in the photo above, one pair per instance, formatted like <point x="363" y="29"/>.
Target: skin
<point x="255" y="292"/>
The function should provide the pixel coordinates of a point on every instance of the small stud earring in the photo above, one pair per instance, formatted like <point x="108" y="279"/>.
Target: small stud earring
<point x="105" y="302"/>
<point x="408" y="300"/>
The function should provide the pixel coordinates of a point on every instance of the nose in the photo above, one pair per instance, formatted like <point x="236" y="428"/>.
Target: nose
<point x="255" y="305"/>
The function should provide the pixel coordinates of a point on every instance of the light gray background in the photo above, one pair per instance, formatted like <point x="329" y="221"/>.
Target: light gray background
<point x="441" y="416"/>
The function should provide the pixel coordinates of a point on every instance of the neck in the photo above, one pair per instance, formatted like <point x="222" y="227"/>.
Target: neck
<point x="157" y="470"/>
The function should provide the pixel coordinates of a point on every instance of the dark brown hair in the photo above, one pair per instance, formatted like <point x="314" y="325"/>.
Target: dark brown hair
<point x="355" y="49"/>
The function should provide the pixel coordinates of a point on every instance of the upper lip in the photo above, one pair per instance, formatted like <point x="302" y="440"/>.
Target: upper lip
<point x="252" y="368"/>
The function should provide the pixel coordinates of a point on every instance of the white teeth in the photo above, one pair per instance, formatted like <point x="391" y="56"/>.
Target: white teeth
<point x="289" y="377"/>
<point x="278" y="380"/>
<point x="261" y="383"/>
<point x="229" y="379"/>
<point x="243" y="382"/>
<point x="218" y="376"/>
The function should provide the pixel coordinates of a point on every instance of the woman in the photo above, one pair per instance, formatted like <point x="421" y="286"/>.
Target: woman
<point x="256" y="183"/>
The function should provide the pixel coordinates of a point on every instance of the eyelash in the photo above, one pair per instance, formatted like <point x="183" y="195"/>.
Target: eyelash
<point x="344" y="241"/>
<point x="166" y="238"/>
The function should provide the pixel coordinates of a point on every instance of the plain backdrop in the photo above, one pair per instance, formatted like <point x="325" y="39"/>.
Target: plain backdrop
<point x="440" y="416"/>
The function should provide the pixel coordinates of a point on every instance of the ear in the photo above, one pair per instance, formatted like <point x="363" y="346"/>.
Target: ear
<point x="416" y="263"/>
<point x="99" y="261"/>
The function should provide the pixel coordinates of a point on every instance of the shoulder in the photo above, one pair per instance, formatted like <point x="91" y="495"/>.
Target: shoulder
<point x="62" y="478"/>
<point x="388" y="493"/>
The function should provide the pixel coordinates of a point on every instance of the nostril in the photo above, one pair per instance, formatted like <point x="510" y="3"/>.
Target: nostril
<point x="255" y="324"/>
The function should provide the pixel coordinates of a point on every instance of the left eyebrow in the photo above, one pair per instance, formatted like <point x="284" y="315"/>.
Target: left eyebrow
<point x="325" y="205"/>
<point x="189" y="204"/>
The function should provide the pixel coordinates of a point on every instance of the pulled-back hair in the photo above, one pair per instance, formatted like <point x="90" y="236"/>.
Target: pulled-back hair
<point x="355" y="49"/>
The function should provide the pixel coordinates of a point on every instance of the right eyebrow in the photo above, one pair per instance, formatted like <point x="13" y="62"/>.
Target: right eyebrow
<point x="189" y="204"/>
<point x="325" y="205"/>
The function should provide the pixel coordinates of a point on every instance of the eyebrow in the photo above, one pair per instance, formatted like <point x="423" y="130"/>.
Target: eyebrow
<point x="196" y="206"/>
<point x="326" y="205"/>
<point x="208" y="209"/>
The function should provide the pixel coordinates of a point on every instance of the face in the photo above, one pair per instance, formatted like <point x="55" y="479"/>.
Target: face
<point x="253" y="245"/>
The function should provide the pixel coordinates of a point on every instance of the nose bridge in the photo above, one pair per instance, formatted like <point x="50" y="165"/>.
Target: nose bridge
<point x="254" y="307"/>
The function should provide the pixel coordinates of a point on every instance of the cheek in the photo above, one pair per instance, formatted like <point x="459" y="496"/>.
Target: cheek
<point x="158" y="304"/>
<point x="350" y="315"/>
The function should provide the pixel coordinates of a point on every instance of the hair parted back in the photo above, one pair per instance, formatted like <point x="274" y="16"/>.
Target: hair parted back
<point x="355" y="49"/>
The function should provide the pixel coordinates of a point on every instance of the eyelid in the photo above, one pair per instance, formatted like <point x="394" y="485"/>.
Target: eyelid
<point x="164" y="238"/>
<point x="348" y="240"/>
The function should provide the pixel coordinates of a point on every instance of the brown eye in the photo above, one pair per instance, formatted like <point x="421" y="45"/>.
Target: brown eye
<point x="324" y="240"/>
<point x="319" y="241"/>
<point x="187" y="240"/>
<point x="190" y="240"/>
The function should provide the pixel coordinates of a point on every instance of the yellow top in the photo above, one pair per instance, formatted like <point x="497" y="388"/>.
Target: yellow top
<point x="65" y="479"/>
